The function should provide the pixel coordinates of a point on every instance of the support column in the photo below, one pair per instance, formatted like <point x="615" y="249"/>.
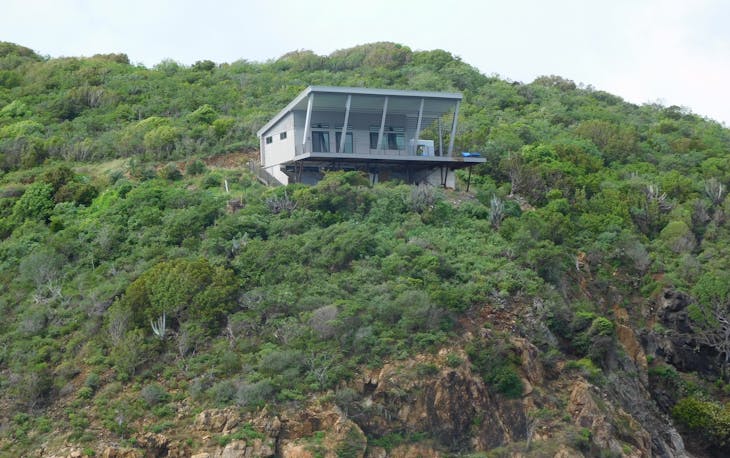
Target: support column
<point x="308" y="124"/>
<point x="379" y="146"/>
<point x="453" y="128"/>
<point x="418" y="128"/>
<point x="343" y="137"/>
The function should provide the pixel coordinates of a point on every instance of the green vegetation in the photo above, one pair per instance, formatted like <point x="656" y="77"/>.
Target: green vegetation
<point x="709" y="419"/>
<point x="127" y="286"/>
<point x="246" y="433"/>
<point x="497" y="363"/>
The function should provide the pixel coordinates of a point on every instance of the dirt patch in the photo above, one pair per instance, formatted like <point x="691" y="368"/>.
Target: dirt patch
<point x="231" y="160"/>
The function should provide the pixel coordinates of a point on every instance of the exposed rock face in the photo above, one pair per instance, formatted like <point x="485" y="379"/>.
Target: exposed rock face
<point x="676" y="345"/>
<point x="440" y="409"/>
<point x="111" y="452"/>
<point x="158" y="445"/>
<point x="672" y="310"/>
<point x="414" y="451"/>
<point x="530" y="358"/>
<point x="219" y="421"/>
<point x="454" y="407"/>
<point x="587" y="413"/>
<point x="341" y="436"/>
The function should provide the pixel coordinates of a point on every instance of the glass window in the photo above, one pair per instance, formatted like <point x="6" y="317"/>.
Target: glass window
<point x="348" y="142"/>
<point x="320" y="141"/>
<point x="393" y="138"/>
<point x="269" y="140"/>
<point x="373" y="140"/>
<point x="282" y="136"/>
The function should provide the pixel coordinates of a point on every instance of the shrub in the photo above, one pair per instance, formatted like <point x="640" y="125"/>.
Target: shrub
<point x="580" y="439"/>
<point x="222" y="392"/>
<point x="85" y="392"/>
<point x="81" y="193"/>
<point x="453" y="360"/>
<point x="170" y="172"/>
<point x="496" y="361"/>
<point x="323" y="321"/>
<point x="710" y="420"/>
<point x="35" y="203"/>
<point x="184" y="290"/>
<point x="153" y="394"/>
<point x="508" y="382"/>
<point x="424" y="197"/>
<point x="35" y="386"/>
<point x="128" y="354"/>
<point x="254" y="394"/>
<point x="212" y="180"/>
<point x="196" y="167"/>
<point x="246" y="433"/>
<point x="427" y="369"/>
<point x="587" y="368"/>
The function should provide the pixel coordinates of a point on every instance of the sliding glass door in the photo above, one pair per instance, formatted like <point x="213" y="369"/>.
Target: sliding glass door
<point x="348" y="142"/>
<point x="320" y="141"/>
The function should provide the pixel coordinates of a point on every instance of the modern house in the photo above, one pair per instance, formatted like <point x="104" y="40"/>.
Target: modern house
<point x="391" y="134"/>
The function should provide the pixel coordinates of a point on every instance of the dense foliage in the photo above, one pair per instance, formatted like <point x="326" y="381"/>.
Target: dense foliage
<point x="127" y="275"/>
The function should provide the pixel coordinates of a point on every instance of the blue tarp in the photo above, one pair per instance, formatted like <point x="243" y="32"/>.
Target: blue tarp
<point x="468" y="154"/>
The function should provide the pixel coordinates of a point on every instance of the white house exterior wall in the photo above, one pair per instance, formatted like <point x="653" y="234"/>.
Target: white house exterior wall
<point x="278" y="151"/>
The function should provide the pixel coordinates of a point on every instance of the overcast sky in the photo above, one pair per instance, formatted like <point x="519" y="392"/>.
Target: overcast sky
<point x="675" y="52"/>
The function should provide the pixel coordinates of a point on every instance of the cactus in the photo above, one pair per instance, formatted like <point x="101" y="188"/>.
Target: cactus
<point x="159" y="328"/>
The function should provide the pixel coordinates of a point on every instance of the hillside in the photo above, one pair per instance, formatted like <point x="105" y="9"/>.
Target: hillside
<point x="574" y="303"/>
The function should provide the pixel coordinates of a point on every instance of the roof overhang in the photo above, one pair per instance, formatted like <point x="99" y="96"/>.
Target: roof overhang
<point x="368" y="100"/>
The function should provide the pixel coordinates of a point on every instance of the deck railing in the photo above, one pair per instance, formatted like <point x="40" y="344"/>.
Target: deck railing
<point x="410" y="152"/>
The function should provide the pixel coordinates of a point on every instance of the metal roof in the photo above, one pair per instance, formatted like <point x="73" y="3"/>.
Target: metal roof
<point x="369" y="100"/>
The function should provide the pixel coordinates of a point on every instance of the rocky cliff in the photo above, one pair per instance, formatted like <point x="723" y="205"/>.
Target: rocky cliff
<point x="436" y="405"/>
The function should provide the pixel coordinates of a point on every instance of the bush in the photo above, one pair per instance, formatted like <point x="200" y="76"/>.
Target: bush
<point x="580" y="439"/>
<point x="254" y="394"/>
<point x="427" y="369"/>
<point x="35" y="387"/>
<point x="212" y="180"/>
<point x="85" y="392"/>
<point x="453" y="360"/>
<point x="222" y="392"/>
<point x="196" y="167"/>
<point x="710" y="420"/>
<point x="587" y="368"/>
<point x="496" y="361"/>
<point x="35" y="203"/>
<point x="184" y="290"/>
<point x="80" y="193"/>
<point x="128" y="354"/>
<point x="153" y="394"/>
<point x="508" y="382"/>
<point x="170" y="172"/>
<point x="92" y="381"/>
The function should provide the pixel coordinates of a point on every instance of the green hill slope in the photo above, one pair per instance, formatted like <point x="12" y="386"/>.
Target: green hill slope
<point x="577" y="295"/>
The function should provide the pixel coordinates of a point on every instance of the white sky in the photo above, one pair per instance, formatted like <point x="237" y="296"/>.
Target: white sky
<point x="675" y="52"/>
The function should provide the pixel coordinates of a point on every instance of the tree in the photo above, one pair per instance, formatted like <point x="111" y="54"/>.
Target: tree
<point x="161" y="141"/>
<point x="182" y="290"/>
<point x="36" y="203"/>
<point x="710" y="315"/>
